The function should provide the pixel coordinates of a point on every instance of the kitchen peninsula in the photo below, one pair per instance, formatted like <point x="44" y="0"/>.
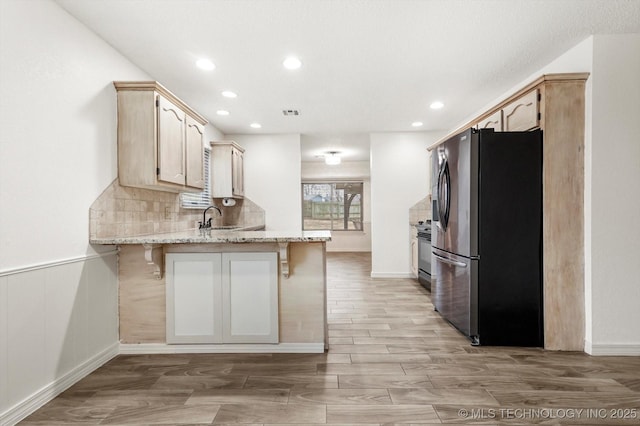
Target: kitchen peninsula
<point x="228" y="288"/>
<point x="220" y="290"/>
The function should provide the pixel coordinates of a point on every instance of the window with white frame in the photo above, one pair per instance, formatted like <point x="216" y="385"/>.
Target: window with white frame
<point x="336" y="206"/>
<point x="199" y="200"/>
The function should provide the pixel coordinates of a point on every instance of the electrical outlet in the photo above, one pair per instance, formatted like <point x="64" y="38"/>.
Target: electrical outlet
<point x="167" y="212"/>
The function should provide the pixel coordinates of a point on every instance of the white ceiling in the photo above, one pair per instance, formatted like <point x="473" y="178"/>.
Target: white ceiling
<point x="368" y="65"/>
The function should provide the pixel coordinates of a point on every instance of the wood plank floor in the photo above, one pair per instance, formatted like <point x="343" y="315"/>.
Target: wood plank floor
<point x="392" y="359"/>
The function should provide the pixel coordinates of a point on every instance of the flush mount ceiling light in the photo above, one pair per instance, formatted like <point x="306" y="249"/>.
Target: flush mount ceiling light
<point x="229" y="94"/>
<point x="222" y="112"/>
<point x="292" y="63"/>
<point x="205" y="64"/>
<point x="255" y="125"/>
<point x="332" y="158"/>
<point x="436" y="105"/>
<point x="417" y="124"/>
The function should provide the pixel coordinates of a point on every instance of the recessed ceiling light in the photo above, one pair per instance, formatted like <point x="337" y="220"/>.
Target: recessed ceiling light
<point x="436" y="105"/>
<point x="205" y="64"/>
<point x="255" y="125"/>
<point x="417" y="124"/>
<point x="229" y="94"/>
<point x="222" y="112"/>
<point x="292" y="63"/>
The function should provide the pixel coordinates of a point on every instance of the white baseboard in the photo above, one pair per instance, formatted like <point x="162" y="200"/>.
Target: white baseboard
<point x="162" y="348"/>
<point x="27" y="406"/>
<point x="611" y="349"/>
<point x="392" y="275"/>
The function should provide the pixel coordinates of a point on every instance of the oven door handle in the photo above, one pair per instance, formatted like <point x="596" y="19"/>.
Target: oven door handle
<point x="449" y="261"/>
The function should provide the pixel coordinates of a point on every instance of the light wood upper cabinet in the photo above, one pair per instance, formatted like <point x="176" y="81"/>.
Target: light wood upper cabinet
<point x="194" y="145"/>
<point x="227" y="170"/>
<point x="523" y="113"/>
<point x="494" y="121"/>
<point x="158" y="137"/>
<point x="520" y="115"/>
<point x="238" y="172"/>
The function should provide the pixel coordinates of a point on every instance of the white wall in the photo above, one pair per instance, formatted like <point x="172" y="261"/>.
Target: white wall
<point x="58" y="116"/>
<point x="399" y="178"/>
<point x="272" y="177"/>
<point x="58" y="130"/>
<point x="58" y="300"/>
<point x="345" y="241"/>
<point x="615" y="195"/>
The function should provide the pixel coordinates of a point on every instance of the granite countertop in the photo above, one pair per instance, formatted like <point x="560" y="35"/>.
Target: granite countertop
<point x="194" y="236"/>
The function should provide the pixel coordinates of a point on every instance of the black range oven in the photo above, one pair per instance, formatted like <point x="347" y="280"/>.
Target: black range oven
<point x="424" y="254"/>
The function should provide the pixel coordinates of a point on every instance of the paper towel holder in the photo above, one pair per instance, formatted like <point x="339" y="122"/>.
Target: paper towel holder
<point x="228" y="202"/>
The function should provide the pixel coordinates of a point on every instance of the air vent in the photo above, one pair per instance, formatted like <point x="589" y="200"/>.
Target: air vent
<point x="291" y="112"/>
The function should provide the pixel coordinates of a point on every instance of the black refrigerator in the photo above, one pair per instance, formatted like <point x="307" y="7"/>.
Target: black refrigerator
<point x="487" y="236"/>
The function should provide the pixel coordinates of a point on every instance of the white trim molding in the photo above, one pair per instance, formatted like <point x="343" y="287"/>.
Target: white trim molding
<point x="57" y="263"/>
<point x="29" y="405"/>
<point x="348" y="250"/>
<point x="392" y="275"/>
<point x="612" y="349"/>
<point x="162" y="348"/>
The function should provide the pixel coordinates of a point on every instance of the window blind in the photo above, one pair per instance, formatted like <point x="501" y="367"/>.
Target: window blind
<point x="199" y="200"/>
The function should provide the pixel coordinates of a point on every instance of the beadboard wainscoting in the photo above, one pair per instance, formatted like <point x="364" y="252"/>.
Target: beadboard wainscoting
<point x="58" y="323"/>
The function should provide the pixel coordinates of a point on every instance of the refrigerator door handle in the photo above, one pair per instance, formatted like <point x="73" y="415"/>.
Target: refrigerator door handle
<point x="444" y="195"/>
<point x="449" y="261"/>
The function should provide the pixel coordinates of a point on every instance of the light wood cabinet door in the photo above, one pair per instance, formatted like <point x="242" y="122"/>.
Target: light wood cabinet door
<point x="238" y="172"/>
<point x="227" y="170"/>
<point x="522" y="114"/>
<point x="194" y="298"/>
<point x="171" y="123"/>
<point x="492" y="122"/>
<point x="194" y="146"/>
<point x="250" y="294"/>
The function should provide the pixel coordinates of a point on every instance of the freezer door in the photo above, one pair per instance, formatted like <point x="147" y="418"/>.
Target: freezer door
<point x="451" y="212"/>
<point x="454" y="290"/>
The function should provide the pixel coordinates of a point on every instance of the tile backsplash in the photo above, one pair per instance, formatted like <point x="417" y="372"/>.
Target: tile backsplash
<point x="420" y="211"/>
<point x="124" y="211"/>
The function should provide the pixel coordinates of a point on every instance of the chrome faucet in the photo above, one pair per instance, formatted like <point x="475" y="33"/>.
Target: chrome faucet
<point x="206" y="224"/>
